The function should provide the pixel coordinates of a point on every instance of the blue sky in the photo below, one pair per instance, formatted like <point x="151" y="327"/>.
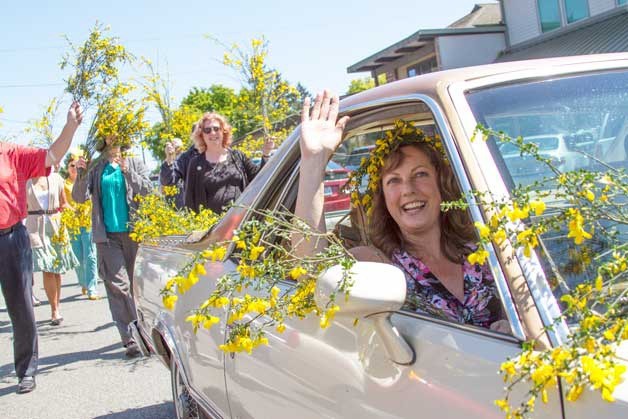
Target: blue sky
<point x="309" y="42"/>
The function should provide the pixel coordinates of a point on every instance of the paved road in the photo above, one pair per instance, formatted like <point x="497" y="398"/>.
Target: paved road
<point x="83" y="372"/>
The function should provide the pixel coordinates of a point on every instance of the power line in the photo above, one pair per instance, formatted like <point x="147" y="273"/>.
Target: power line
<point x="11" y="86"/>
<point x="15" y="121"/>
<point x="3" y="50"/>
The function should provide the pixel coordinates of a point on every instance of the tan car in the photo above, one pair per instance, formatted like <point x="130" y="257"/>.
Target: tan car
<point x="404" y="364"/>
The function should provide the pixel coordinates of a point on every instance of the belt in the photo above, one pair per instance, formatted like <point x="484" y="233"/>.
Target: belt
<point x="44" y="212"/>
<point x="5" y="231"/>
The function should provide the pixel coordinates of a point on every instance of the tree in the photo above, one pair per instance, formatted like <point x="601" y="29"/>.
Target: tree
<point x="174" y="122"/>
<point x="359" y="85"/>
<point x="42" y="127"/>
<point x="216" y="98"/>
<point x="265" y="97"/>
<point x="179" y="126"/>
<point x="94" y="64"/>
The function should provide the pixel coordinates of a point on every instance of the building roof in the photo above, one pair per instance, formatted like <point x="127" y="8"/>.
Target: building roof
<point x="484" y="18"/>
<point x="607" y="32"/>
<point x="483" y="14"/>
<point x="430" y="82"/>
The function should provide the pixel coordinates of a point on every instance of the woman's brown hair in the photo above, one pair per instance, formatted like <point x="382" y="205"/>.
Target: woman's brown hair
<point x="197" y="135"/>
<point x="456" y="228"/>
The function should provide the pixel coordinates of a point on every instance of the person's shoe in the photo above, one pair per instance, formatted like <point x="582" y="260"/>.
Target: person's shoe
<point x="36" y="302"/>
<point x="94" y="297"/>
<point x="132" y="350"/>
<point x="83" y="290"/>
<point x="26" y="385"/>
<point x="56" y="322"/>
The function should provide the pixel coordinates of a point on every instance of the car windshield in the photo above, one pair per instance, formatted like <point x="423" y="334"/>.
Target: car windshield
<point x="543" y="143"/>
<point x="579" y="122"/>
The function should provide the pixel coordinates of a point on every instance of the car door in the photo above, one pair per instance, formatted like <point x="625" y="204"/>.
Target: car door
<point x="197" y="355"/>
<point x="344" y="370"/>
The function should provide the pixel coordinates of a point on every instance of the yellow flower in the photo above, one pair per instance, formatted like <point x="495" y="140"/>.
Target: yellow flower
<point x="574" y="393"/>
<point x="210" y="321"/>
<point x="171" y="282"/>
<point x="297" y="272"/>
<point x="246" y="270"/>
<point x="607" y="395"/>
<point x="499" y="236"/>
<point x="508" y="368"/>
<point x="576" y="227"/>
<point x="169" y="301"/>
<point x="538" y="206"/>
<point x="543" y="374"/>
<point x="478" y="257"/>
<point x="483" y="229"/>
<point x="503" y="405"/>
<point x="256" y="251"/>
<point x="200" y="269"/>
<point x="517" y="213"/>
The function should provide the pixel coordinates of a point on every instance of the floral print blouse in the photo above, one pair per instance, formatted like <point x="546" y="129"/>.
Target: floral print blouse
<point x="427" y="295"/>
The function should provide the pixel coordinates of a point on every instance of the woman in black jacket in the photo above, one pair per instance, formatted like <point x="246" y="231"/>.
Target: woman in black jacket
<point x="218" y="175"/>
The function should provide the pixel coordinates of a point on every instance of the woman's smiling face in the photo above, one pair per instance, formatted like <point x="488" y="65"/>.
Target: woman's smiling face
<point x="411" y="192"/>
<point x="212" y="132"/>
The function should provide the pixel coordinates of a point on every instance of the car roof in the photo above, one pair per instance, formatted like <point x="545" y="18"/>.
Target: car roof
<point x="428" y="83"/>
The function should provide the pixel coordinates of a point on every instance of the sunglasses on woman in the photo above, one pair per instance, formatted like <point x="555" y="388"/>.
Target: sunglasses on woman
<point x="208" y="130"/>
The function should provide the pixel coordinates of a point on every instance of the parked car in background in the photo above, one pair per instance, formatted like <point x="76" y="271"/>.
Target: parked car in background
<point x="336" y="198"/>
<point x="561" y="149"/>
<point x="394" y="363"/>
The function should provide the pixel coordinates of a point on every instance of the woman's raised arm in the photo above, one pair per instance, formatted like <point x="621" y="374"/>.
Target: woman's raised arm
<point x="321" y="133"/>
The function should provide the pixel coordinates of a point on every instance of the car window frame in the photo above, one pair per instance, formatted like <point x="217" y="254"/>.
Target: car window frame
<point x="541" y="293"/>
<point x="517" y="335"/>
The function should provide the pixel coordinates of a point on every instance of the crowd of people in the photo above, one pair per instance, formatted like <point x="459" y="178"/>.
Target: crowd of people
<point x="209" y="174"/>
<point x="407" y="227"/>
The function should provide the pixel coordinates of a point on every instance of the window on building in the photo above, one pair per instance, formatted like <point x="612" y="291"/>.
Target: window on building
<point x="549" y="13"/>
<point x="424" y="67"/>
<point x="576" y="10"/>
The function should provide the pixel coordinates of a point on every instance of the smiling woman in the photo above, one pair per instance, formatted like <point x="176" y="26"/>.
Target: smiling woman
<point x="409" y="178"/>
<point x="219" y="174"/>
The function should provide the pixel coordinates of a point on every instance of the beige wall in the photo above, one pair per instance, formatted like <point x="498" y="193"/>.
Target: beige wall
<point x="468" y="50"/>
<point x="522" y="20"/>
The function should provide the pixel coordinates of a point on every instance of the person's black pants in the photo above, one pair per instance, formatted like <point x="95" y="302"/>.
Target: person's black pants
<point x="16" y="274"/>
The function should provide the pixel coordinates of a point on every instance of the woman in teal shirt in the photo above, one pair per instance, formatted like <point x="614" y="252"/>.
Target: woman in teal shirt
<point x="112" y="182"/>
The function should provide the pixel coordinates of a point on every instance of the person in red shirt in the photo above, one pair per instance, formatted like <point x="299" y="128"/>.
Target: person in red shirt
<point x="17" y="165"/>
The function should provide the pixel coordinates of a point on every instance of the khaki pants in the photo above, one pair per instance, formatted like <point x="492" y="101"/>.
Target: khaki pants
<point x="116" y="262"/>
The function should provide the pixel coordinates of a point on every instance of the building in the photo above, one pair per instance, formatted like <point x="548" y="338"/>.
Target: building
<point x="428" y="50"/>
<point x="553" y="28"/>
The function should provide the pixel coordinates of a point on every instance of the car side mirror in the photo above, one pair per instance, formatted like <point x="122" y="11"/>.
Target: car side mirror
<point x="378" y="290"/>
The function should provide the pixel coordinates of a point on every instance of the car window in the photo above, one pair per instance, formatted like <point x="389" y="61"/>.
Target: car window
<point x="346" y="220"/>
<point x="586" y="118"/>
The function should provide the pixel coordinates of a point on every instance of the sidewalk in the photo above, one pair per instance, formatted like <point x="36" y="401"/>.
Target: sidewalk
<point x="83" y="372"/>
